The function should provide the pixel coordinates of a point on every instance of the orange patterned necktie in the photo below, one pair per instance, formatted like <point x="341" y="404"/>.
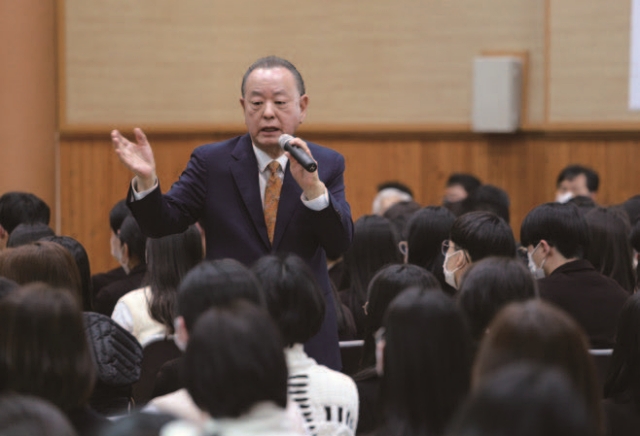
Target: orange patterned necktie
<point x="271" y="198"/>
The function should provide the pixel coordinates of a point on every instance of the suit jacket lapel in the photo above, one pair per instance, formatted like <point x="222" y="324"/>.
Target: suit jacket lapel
<point x="289" y="200"/>
<point x="245" y="173"/>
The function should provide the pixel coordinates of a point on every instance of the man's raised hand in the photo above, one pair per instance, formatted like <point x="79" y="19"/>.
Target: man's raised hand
<point x="138" y="157"/>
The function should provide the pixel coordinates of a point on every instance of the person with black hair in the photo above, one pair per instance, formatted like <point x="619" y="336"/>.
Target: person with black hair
<point x="117" y="215"/>
<point x="557" y="238"/>
<point x="523" y="399"/>
<point x="622" y="385"/>
<point x="426" y="363"/>
<point x="20" y="208"/>
<point x="148" y="313"/>
<point x="474" y="236"/>
<point x="458" y="187"/>
<point x="236" y="372"/>
<point x="388" y="194"/>
<point x="609" y="249"/>
<point x="24" y="415"/>
<point x="375" y="244"/>
<point x="385" y="286"/>
<point x="25" y="233"/>
<point x="425" y="232"/>
<point x="131" y="248"/>
<point x="491" y="284"/>
<point x="209" y="284"/>
<point x="400" y="213"/>
<point x="489" y="198"/>
<point x="328" y="400"/>
<point x="632" y="208"/>
<point x="7" y="286"/>
<point x="576" y="180"/>
<point x="79" y="254"/>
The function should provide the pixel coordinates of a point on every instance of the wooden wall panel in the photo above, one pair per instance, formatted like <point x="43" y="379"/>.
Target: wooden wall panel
<point x="526" y="166"/>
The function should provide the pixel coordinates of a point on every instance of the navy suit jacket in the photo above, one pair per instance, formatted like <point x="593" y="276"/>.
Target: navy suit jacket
<point x="220" y="187"/>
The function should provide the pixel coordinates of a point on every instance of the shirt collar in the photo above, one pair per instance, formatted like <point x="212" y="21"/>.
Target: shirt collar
<point x="264" y="159"/>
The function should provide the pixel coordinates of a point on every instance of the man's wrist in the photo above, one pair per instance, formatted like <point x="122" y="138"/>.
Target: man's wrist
<point x="315" y="192"/>
<point x="144" y="184"/>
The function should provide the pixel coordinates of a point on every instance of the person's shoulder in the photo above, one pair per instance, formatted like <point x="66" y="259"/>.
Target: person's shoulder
<point x="220" y="148"/>
<point x="133" y="297"/>
<point x="321" y="151"/>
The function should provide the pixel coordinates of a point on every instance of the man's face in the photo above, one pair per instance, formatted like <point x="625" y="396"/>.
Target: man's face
<point x="272" y="106"/>
<point x="454" y="193"/>
<point x="575" y="187"/>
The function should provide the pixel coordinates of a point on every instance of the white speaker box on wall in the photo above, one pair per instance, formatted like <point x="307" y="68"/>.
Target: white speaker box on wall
<point x="497" y="94"/>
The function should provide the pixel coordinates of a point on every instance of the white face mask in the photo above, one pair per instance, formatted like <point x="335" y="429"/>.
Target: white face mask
<point x="449" y="275"/>
<point x="537" y="271"/>
<point x="563" y="198"/>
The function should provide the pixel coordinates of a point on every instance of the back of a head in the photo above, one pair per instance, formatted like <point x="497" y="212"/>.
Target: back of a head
<point x="42" y="261"/>
<point x="22" y="415"/>
<point x="491" y="284"/>
<point x="483" y="234"/>
<point x="117" y="215"/>
<point x="572" y="171"/>
<point x="539" y="332"/>
<point x="385" y="286"/>
<point x="234" y="360"/>
<point x="632" y="208"/>
<point x="131" y="234"/>
<point x="387" y="198"/>
<point x="22" y="208"/>
<point x="169" y="259"/>
<point x="623" y="378"/>
<point x="26" y="233"/>
<point x="400" y="213"/>
<point x="375" y="244"/>
<point x="609" y="249"/>
<point x="561" y="225"/>
<point x="46" y="352"/>
<point x="81" y="258"/>
<point x="213" y="284"/>
<point x="293" y="296"/>
<point x="490" y="198"/>
<point x="427" y="360"/>
<point x="524" y="400"/>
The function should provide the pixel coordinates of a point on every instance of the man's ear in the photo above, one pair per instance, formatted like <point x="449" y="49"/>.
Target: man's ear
<point x="545" y="248"/>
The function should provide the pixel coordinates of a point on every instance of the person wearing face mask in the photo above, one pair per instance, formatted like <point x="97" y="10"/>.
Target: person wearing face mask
<point x="459" y="186"/>
<point x="556" y="237"/>
<point x="576" y="181"/>
<point x="129" y="250"/>
<point x="474" y="236"/>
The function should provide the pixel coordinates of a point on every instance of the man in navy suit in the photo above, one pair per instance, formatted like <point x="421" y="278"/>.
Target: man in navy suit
<point x="224" y="187"/>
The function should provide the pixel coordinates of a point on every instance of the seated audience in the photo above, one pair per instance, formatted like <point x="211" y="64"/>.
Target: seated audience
<point x="296" y="304"/>
<point x="489" y="198"/>
<point x="458" y="188"/>
<point x="609" y="249"/>
<point x="26" y="233"/>
<point x="425" y="365"/>
<point x="491" y="284"/>
<point x="81" y="258"/>
<point x="556" y="237"/>
<point x="400" y="213"/>
<point x="538" y="332"/>
<point x="131" y="253"/>
<point x="20" y="208"/>
<point x="390" y="193"/>
<point x="524" y="400"/>
<point x="210" y="284"/>
<point x="425" y="232"/>
<point x="42" y="261"/>
<point x="117" y="216"/>
<point x="147" y="313"/>
<point x="375" y="244"/>
<point x="22" y="415"/>
<point x="46" y="353"/>
<point x="574" y="181"/>
<point x="473" y="237"/>
<point x="237" y="350"/>
<point x="622" y="387"/>
<point x="385" y="286"/>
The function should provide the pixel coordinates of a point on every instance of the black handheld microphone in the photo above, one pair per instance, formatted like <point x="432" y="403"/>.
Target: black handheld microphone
<point x="298" y="154"/>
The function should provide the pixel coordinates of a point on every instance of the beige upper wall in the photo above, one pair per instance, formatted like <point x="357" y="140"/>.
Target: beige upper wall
<point x="162" y="62"/>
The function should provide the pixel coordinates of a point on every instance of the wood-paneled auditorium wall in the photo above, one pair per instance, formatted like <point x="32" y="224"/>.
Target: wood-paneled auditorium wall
<point x="390" y="89"/>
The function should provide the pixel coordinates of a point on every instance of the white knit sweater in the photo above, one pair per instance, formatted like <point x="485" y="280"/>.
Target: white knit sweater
<point x="328" y="400"/>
